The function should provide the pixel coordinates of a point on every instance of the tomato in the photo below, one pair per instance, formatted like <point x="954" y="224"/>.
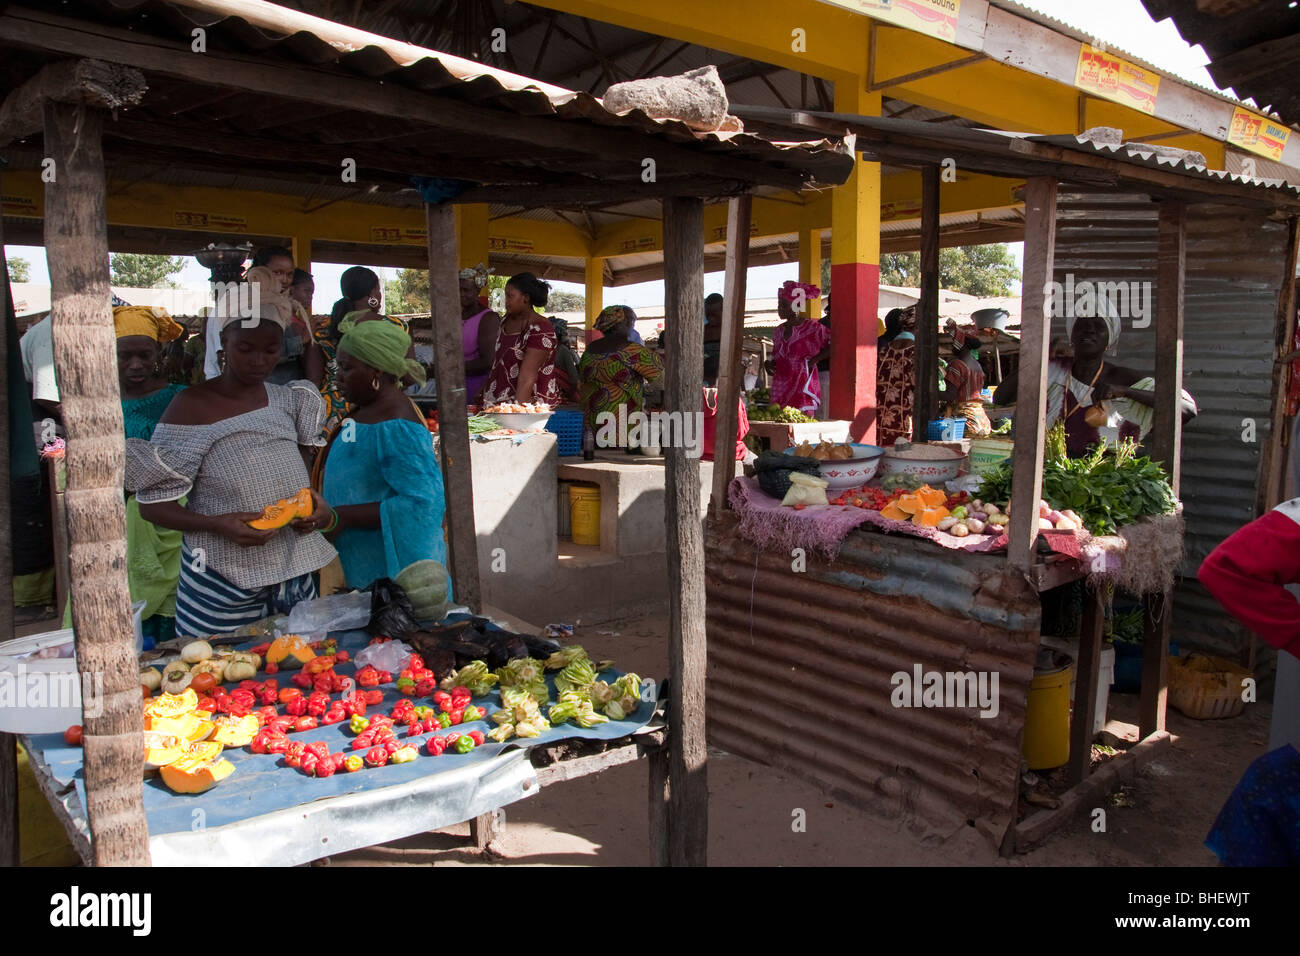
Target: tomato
<point x="289" y="693"/>
<point x="72" y="736"/>
<point x="203" y="683"/>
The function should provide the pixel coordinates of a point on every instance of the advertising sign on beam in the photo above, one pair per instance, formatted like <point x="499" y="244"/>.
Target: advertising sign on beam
<point x="1110" y="77"/>
<point x="1259" y="134"/>
<point x="936" y="18"/>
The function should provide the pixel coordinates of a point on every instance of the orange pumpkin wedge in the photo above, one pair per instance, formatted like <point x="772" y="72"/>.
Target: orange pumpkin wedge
<point x="931" y="497"/>
<point x="235" y="731"/>
<point x="931" y="517"/>
<point x="283" y="511"/>
<point x="200" y="769"/>
<point x="289" y="651"/>
<point x="893" y="512"/>
<point x="171" y="705"/>
<point x="910" y="504"/>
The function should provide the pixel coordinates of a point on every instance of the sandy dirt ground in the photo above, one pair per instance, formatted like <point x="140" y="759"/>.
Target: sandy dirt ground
<point x="601" y="820"/>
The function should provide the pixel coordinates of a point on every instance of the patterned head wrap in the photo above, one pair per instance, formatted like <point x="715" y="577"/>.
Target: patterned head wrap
<point x="478" y="275"/>
<point x="789" y="288"/>
<point x="561" y="327"/>
<point x="229" y="312"/>
<point x="1104" y="311"/>
<point x="907" y="319"/>
<point x="611" y="316"/>
<point x="142" y="320"/>
<point x="381" y="345"/>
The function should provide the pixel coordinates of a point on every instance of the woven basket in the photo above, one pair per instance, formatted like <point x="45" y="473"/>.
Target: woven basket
<point x="1207" y="688"/>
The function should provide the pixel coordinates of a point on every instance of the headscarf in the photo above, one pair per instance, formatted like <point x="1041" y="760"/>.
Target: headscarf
<point x="1104" y="311"/>
<point x="962" y="338"/>
<point x="907" y="319"/>
<point x="610" y="317"/>
<point x="381" y="345"/>
<point x="142" y="320"/>
<point x="788" y="289"/>
<point x="269" y="292"/>
<point x="478" y="275"/>
<point x="561" y="327"/>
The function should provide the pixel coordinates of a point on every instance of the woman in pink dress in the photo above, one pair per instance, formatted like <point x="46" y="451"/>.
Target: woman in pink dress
<point x="523" y="369"/>
<point x="797" y="346"/>
<point x="478" y="331"/>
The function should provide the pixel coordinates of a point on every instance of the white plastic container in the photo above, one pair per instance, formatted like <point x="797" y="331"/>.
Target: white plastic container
<point x="1105" y="677"/>
<point x="43" y="695"/>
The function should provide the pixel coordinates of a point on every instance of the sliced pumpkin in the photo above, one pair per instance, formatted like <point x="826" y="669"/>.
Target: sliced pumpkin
<point x="187" y="726"/>
<point x="289" y="651"/>
<point x="909" y="504"/>
<point x="235" y="731"/>
<point x="283" y="511"/>
<point x="305" y="504"/>
<point x="200" y="769"/>
<point x="162" y="749"/>
<point x="931" y="497"/>
<point x="171" y="705"/>
<point x="893" y="512"/>
<point x="931" y="517"/>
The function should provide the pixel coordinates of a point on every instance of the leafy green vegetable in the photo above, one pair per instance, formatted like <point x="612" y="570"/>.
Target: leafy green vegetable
<point x="1108" y="489"/>
<point x="482" y="423"/>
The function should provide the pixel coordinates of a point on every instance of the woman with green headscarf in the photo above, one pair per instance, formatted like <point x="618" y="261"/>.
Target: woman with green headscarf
<point x="381" y="478"/>
<point x="614" y="370"/>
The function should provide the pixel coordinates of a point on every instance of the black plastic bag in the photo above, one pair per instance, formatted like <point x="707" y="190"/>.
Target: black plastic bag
<point x="391" y="614"/>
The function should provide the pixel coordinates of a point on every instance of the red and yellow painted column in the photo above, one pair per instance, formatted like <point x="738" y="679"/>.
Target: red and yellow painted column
<point x="855" y="279"/>
<point x="594" y="287"/>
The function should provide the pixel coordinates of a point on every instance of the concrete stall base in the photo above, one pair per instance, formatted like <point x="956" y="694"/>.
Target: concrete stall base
<point x="530" y="569"/>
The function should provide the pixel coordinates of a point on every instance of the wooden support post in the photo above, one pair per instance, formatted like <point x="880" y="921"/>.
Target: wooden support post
<point x="730" y="376"/>
<point x="76" y="244"/>
<point x="453" y="416"/>
<point x="926" y="402"/>
<point x="9" y="855"/>
<point x="487" y="827"/>
<point x="1171" y="265"/>
<point x="1031" y="401"/>
<point x="1085" y="685"/>
<point x="1273" y="468"/>
<point x="1157" y="622"/>
<point x="658" y="806"/>
<point x="688" y="811"/>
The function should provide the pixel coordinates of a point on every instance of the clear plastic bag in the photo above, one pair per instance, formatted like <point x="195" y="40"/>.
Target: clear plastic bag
<point x="805" y="490"/>
<point x="389" y="656"/>
<point x="337" y="612"/>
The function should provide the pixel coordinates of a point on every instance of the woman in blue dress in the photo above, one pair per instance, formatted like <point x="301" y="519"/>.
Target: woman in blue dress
<point x="381" y="477"/>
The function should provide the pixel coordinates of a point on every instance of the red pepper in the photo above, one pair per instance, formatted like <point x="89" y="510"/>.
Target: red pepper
<point x="266" y="715"/>
<point x="277" y="744"/>
<point x="415" y="662"/>
<point x="322" y="684"/>
<point x="379" y="720"/>
<point x="249" y="684"/>
<point x="272" y="668"/>
<point x="383" y="733"/>
<point x="373" y="697"/>
<point x="305" y="723"/>
<point x="280" y="724"/>
<point x="392" y="745"/>
<point x="436" y="746"/>
<point x="334" y="717"/>
<point x="451" y="738"/>
<point x="317" y="704"/>
<point x="355" y="705"/>
<point x="457" y="715"/>
<point x="478" y="737"/>
<point x="460" y="692"/>
<point x="302" y="679"/>
<point x="364" y="741"/>
<point x="342" y="657"/>
<point x="261" y="649"/>
<point x="296" y="707"/>
<point x="337" y="682"/>
<point x="376" y="757"/>
<point x="385" y="677"/>
<point x="293" y="753"/>
<point x="425" y="687"/>
<point x="289" y="693"/>
<point x="268" y="696"/>
<point x="340" y="759"/>
<point x="208" y="704"/>
<point x="440" y="695"/>
<point x="308" y="763"/>
<point x="258" y="746"/>
<point x="368" y="677"/>
<point x="319" y="747"/>
<point x="326" y="767"/>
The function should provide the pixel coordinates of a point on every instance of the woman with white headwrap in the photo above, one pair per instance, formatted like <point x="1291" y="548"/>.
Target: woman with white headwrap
<point x="1086" y="392"/>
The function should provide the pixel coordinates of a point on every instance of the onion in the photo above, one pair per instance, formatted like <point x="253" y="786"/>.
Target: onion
<point x="1054" y="516"/>
<point x="979" y="515"/>
<point x="1045" y="525"/>
<point x="1065" y="524"/>
<point x="991" y="510"/>
<point x="959" y="530"/>
<point x="946" y="523"/>
<point x="975" y="525"/>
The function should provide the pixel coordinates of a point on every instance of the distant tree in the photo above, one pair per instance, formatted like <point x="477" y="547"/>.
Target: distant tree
<point x="565" y="302"/>
<point x="137" y="271"/>
<point x="408" y="294"/>
<point x="20" y="270"/>
<point x="975" y="270"/>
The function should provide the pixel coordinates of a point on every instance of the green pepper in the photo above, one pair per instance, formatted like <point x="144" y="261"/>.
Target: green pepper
<point x="424" y="713"/>
<point x="444" y="720"/>
<point x="464" y="744"/>
<point x="405" y="755"/>
<point x="358" y="723"/>
<point x="354" y="763"/>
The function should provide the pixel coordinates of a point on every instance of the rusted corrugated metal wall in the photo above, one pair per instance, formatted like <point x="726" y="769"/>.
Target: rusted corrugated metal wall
<point x="835" y="634"/>
<point x="1234" y="271"/>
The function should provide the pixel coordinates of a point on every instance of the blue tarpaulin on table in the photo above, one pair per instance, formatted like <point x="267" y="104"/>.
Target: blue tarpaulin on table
<point x="263" y="783"/>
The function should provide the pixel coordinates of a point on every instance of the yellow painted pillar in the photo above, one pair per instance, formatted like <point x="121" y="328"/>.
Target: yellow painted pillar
<point x="302" y="252"/>
<point x="472" y="225"/>
<point x="595" y="281"/>
<point x="810" y="263"/>
<point x="855" y="279"/>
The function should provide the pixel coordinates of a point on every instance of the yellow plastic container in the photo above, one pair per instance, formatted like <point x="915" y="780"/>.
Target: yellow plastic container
<point x="584" y="514"/>
<point x="1047" y="718"/>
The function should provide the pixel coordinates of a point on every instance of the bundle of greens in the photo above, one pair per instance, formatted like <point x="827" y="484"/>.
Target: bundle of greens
<point x="478" y="424"/>
<point x="1107" y="489"/>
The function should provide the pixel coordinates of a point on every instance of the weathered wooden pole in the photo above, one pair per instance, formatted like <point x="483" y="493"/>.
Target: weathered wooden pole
<point x="76" y="244"/>
<point x="926" y="401"/>
<point x="688" y="804"/>
<point x="730" y="378"/>
<point x="9" y="855"/>
<point x="1031" y="397"/>
<point x="453" y="416"/>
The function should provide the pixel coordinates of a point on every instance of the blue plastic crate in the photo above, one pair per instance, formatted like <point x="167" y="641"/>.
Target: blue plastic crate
<point x="567" y="426"/>
<point x="946" y="429"/>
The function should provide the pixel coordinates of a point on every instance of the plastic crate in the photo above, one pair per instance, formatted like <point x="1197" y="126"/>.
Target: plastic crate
<point x="567" y="426"/>
<point x="946" y="429"/>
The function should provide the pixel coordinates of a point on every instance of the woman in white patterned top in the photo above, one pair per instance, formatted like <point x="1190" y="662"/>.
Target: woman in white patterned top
<point x="232" y="445"/>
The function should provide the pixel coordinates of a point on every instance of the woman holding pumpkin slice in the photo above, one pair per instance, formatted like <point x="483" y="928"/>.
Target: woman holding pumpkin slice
<point x="232" y="445"/>
<point x="380" y="472"/>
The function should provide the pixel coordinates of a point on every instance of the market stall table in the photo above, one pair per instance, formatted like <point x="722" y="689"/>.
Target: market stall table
<point x="266" y="813"/>
<point x="781" y="435"/>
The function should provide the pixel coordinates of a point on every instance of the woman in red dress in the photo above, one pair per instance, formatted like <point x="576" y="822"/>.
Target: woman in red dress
<point x="523" y="369"/>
